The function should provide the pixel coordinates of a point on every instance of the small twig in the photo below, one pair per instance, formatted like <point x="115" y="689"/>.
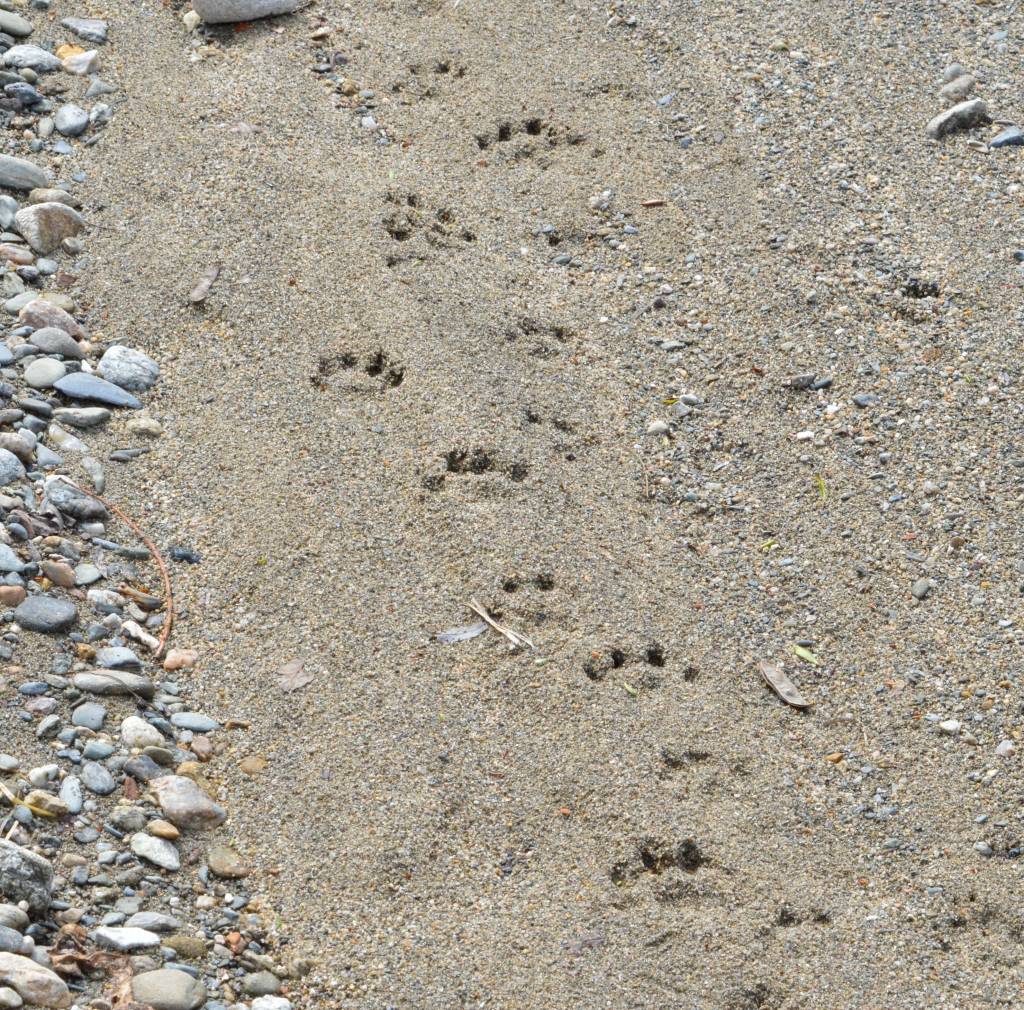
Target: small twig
<point x="513" y="636"/>
<point x="156" y="554"/>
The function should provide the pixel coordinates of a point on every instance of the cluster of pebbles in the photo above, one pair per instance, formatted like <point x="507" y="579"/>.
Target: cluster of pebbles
<point x="113" y="895"/>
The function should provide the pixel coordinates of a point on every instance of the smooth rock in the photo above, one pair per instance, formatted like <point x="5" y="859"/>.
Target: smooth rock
<point x="44" y="372"/>
<point x="12" y="24"/>
<point x="55" y="341"/>
<point x="51" y="196"/>
<point x="124" y="938"/>
<point x="90" y="29"/>
<point x="15" y="441"/>
<point x="11" y="470"/>
<point x="45" y="225"/>
<point x="167" y="989"/>
<point x="118" y="657"/>
<point x="81" y="386"/>
<point x="952" y="72"/>
<point x="39" y="313"/>
<point x="958" y="90"/>
<point x="195" y="721"/>
<point x="261" y="983"/>
<point x="9" y="998"/>
<point x="163" y="829"/>
<point x="189" y="947"/>
<point x="71" y="120"/>
<point x="270" y="1003"/>
<point x="25" y="876"/>
<point x="90" y="716"/>
<point x="46" y="615"/>
<point x="32" y="56"/>
<point x="71" y="794"/>
<point x="86" y="574"/>
<point x="98" y="88"/>
<point x="225" y="862"/>
<point x="155" y="922"/>
<point x="8" y="208"/>
<point x="964" y="116"/>
<point x="156" y="850"/>
<point x="143" y="769"/>
<point x="223" y="11"/>
<point x="129" y="368"/>
<point x="107" y="682"/>
<point x="136" y="732"/>
<point x="42" y="800"/>
<point x="921" y="589"/>
<point x="16" y="173"/>
<point x="14" y="918"/>
<point x="185" y="804"/>
<point x="59" y="573"/>
<point x="97" y="779"/>
<point x="32" y="982"/>
<point x="82" y="64"/>
<point x="47" y="458"/>
<point x="82" y="417"/>
<point x="10" y="940"/>
<point x="127" y="819"/>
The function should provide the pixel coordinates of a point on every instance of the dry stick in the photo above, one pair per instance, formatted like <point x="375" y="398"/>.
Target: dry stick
<point x="513" y="636"/>
<point x="38" y="811"/>
<point x="156" y="554"/>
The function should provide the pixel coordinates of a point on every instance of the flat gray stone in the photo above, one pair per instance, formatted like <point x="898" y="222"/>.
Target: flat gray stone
<point x="35" y="58"/>
<point x="921" y="589"/>
<point x="25" y="876"/>
<point x="55" y="341"/>
<point x="13" y="918"/>
<point x="155" y="922"/>
<point x="107" y="682"/>
<point x="9" y="561"/>
<point x="90" y="29"/>
<point x="964" y="116"/>
<point x="158" y="851"/>
<point x="129" y="368"/>
<point x="8" y="208"/>
<point x="71" y="794"/>
<point x="11" y="470"/>
<point x="261" y="983"/>
<point x="167" y="989"/>
<point x="97" y="779"/>
<point x="81" y="386"/>
<point x="185" y="805"/>
<point x="47" y="458"/>
<point x="46" y="615"/>
<point x="10" y="940"/>
<point x="195" y="721"/>
<point x="82" y="417"/>
<point x="17" y="173"/>
<point x="118" y="657"/>
<point x="89" y="715"/>
<point x="86" y="574"/>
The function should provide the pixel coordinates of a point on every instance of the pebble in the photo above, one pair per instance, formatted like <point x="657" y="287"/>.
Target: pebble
<point x="82" y="417"/>
<point x="98" y="88"/>
<point x="45" y="614"/>
<point x="921" y="589"/>
<point x="55" y="341"/>
<point x="168" y="989"/>
<point x="9" y="998"/>
<point x="958" y="90"/>
<point x="34" y="983"/>
<point x="124" y="938"/>
<point x="129" y="368"/>
<point x="86" y="574"/>
<point x="964" y="116"/>
<point x="32" y="56"/>
<point x="71" y="793"/>
<point x="16" y="173"/>
<point x="10" y="940"/>
<point x="46" y="225"/>
<point x="195" y="721"/>
<point x="14" y="917"/>
<point x="270" y="1003"/>
<point x="143" y="769"/>
<point x="97" y="779"/>
<point x="136" y="732"/>
<point x="44" y="372"/>
<point x="71" y="120"/>
<point x="89" y="715"/>
<point x="11" y="470"/>
<point x="25" y="876"/>
<point x="1012" y="136"/>
<point x="185" y="805"/>
<point x="155" y="922"/>
<point x="89" y="29"/>
<point x="59" y="573"/>
<point x="189" y="947"/>
<point x="111" y="682"/>
<point x="226" y="862"/>
<point x="81" y="386"/>
<point x="82" y="64"/>
<point x="158" y="851"/>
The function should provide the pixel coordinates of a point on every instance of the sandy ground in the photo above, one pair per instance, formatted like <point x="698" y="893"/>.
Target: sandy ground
<point x="395" y="401"/>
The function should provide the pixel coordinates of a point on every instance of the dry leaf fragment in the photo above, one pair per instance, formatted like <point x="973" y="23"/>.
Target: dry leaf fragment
<point x="293" y="676"/>
<point x="206" y="279"/>
<point x="782" y="685"/>
<point x="463" y="634"/>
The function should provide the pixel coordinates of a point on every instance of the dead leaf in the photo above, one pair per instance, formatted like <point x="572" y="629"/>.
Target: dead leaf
<point x="206" y="279"/>
<point x="463" y="634"/>
<point x="782" y="685"/>
<point x="78" y="965"/>
<point x="292" y="675"/>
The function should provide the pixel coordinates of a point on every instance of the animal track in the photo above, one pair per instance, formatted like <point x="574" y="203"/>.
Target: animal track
<point x="480" y="461"/>
<point x="409" y="220"/>
<point x="552" y="135"/>
<point x="377" y="365"/>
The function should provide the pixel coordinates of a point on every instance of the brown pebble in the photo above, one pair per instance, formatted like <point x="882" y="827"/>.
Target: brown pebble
<point x="85" y="651"/>
<point x="253" y="765"/>
<point x="956" y="543"/>
<point x="202" y="748"/>
<point x="163" y="829"/>
<point x="225" y="862"/>
<point x="11" y="596"/>
<point x="59" y="573"/>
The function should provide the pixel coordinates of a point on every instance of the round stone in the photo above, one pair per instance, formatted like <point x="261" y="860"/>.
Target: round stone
<point x="97" y="779"/>
<point x="71" y="120"/>
<point x="90" y="716"/>
<point x="44" y="372"/>
<point x="46" y="615"/>
<point x="129" y="368"/>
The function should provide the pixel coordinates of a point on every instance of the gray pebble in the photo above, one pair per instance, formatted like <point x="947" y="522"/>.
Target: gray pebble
<point x="90" y="716"/>
<point x="97" y="779"/>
